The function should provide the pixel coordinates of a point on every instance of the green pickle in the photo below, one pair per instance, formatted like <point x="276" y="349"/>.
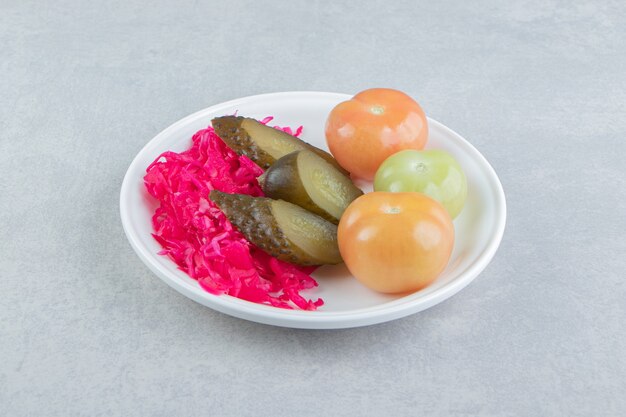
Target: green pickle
<point x="283" y="230"/>
<point x="309" y="181"/>
<point x="262" y="144"/>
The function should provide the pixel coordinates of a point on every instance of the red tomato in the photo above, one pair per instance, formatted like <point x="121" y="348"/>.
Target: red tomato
<point x="362" y="132"/>
<point x="395" y="242"/>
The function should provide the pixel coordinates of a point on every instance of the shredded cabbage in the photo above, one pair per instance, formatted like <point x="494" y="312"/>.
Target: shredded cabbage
<point x="198" y="237"/>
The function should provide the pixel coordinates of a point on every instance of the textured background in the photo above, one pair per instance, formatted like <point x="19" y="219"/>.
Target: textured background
<point x="539" y="87"/>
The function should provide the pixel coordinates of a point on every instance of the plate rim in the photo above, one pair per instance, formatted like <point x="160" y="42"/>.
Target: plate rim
<point x="313" y="319"/>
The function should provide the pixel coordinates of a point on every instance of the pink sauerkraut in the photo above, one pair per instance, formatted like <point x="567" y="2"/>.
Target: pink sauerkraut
<point x="198" y="237"/>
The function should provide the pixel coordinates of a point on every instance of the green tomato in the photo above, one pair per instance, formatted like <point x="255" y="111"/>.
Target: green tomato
<point x="432" y="172"/>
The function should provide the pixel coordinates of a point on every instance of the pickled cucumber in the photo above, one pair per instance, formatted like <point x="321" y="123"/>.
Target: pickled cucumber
<point x="263" y="144"/>
<point x="284" y="230"/>
<point x="305" y="179"/>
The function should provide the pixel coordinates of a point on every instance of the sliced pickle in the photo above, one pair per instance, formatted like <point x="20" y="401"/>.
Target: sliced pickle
<point x="263" y="144"/>
<point x="284" y="230"/>
<point x="305" y="179"/>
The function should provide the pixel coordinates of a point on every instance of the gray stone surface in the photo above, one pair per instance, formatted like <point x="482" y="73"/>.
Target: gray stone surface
<point x="538" y="86"/>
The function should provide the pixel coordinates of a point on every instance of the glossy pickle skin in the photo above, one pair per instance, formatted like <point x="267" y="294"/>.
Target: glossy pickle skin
<point x="234" y="134"/>
<point x="229" y="129"/>
<point x="283" y="181"/>
<point x="254" y="218"/>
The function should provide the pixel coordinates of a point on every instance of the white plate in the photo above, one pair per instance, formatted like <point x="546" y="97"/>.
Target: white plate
<point x="479" y="227"/>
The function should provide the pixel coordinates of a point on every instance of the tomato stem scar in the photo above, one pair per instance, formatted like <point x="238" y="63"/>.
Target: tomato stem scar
<point x="377" y="109"/>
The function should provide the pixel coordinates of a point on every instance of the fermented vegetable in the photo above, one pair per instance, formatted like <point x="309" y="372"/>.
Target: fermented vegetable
<point x="261" y="143"/>
<point x="284" y="230"/>
<point x="307" y="180"/>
